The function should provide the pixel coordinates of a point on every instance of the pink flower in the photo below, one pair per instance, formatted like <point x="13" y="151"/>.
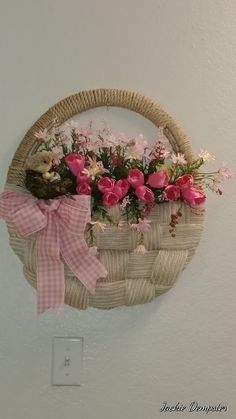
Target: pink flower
<point x="225" y="172"/>
<point x="57" y="154"/>
<point x="142" y="226"/>
<point x="184" y="182"/>
<point x="110" y="199"/>
<point x="75" y="162"/>
<point x="158" y="179"/>
<point x="135" y="178"/>
<point x="84" y="189"/>
<point x="83" y="177"/>
<point x="123" y="185"/>
<point x="193" y="196"/>
<point x="144" y="194"/>
<point x="105" y="184"/>
<point x="172" y="192"/>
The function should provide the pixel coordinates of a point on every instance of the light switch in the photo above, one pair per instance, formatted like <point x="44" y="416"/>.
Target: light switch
<point x="67" y="355"/>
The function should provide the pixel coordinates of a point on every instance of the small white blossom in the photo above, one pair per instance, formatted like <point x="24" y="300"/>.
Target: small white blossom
<point x="125" y="202"/>
<point x="206" y="156"/>
<point x="178" y="158"/>
<point x="123" y="224"/>
<point x="141" y="249"/>
<point x="96" y="168"/>
<point x="42" y="134"/>
<point x="137" y="148"/>
<point x="98" y="225"/>
<point x="57" y="155"/>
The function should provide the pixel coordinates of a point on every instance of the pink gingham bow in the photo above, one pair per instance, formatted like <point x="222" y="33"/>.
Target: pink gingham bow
<point x="59" y="225"/>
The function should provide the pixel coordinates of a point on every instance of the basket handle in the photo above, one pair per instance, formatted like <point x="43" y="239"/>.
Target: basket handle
<point x="88" y="99"/>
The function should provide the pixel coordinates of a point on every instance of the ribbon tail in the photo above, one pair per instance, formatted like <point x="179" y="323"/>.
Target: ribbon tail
<point x="50" y="268"/>
<point x="84" y="266"/>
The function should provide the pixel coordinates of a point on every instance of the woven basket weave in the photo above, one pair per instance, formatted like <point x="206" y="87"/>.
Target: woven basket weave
<point x="132" y="278"/>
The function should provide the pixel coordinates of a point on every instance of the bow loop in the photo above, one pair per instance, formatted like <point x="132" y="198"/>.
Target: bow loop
<point x="60" y="224"/>
<point x="22" y="212"/>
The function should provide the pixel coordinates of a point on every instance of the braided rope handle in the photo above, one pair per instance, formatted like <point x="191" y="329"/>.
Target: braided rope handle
<point x="88" y="99"/>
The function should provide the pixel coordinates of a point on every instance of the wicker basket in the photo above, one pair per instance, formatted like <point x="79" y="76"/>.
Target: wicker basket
<point x="132" y="278"/>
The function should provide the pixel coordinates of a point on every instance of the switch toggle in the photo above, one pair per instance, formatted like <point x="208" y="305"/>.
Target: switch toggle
<point x="67" y="361"/>
<point x="67" y="355"/>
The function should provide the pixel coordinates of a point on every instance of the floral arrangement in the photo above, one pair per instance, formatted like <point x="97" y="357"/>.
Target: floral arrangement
<point x="118" y="170"/>
<point x="77" y="171"/>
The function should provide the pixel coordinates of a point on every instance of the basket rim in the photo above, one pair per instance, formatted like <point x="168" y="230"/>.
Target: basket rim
<point x="88" y="99"/>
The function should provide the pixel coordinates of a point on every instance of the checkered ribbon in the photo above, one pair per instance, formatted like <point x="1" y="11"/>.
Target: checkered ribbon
<point x="59" y="226"/>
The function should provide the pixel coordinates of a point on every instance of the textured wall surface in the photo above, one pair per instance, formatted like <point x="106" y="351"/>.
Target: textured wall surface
<point x="180" y="347"/>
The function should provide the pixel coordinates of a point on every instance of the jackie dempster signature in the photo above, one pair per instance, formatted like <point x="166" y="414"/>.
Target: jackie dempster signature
<point x="193" y="406"/>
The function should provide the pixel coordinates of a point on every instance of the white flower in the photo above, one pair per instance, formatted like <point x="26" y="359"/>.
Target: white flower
<point x="65" y="140"/>
<point x="111" y="141"/>
<point x="206" y="156"/>
<point x="105" y="130"/>
<point x="73" y="125"/>
<point x="178" y="158"/>
<point x="42" y="134"/>
<point x="137" y="148"/>
<point x="123" y="139"/>
<point x="96" y="168"/>
<point x="165" y="154"/>
<point x="97" y="225"/>
<point x="91" y="145"/>
<point x="125" y="202"/>
<point x="87" y="131"/>
<point x="123" y="224"/>
<point x="141" y="249"/>
<point x="57" y="155"/>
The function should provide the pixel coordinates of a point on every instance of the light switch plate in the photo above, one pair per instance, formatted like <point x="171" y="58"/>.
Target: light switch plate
<point x="67" y="356"/>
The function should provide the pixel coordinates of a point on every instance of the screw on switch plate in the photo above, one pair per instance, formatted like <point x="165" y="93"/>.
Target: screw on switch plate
<point x="67" y="355"/>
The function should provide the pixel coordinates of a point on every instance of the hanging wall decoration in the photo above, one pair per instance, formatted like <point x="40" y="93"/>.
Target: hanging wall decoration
<point x="99" y="219"/>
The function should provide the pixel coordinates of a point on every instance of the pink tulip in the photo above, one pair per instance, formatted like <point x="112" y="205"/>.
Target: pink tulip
<point x="172" y="192"/>
<point x="158" y="179"/>
<point x="117" y="190"/>
<point x="193" y="196"/>
<point x="123" y="185"/>
<point x="84" y="189"/>
<point x="75" y="162"/>
<point x="135" y="178"/>
<point x="144" y="194"/>
<point x="83" y="177"/>
<point x="185" y="181"/>
<point x="110" y="199"/>
<point x="105" y="184"/>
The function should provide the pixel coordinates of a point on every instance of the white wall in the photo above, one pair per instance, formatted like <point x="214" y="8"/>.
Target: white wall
<point x="181" y="346"/>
